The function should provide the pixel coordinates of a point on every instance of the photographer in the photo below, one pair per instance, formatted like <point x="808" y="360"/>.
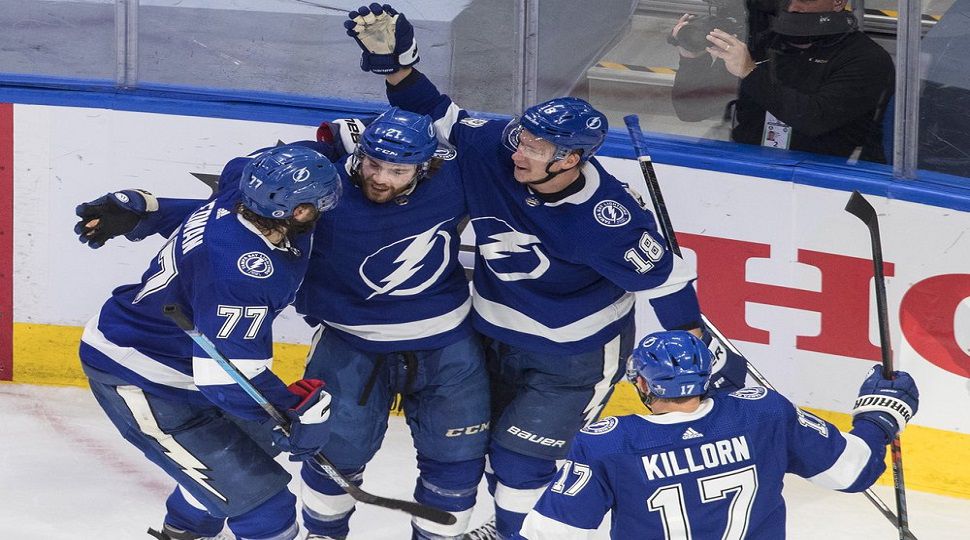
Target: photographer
<point x="811" y="82"/>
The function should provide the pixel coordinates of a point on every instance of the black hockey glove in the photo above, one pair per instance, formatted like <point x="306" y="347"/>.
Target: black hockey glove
<point x="112" y="215"/>
<point x="729" y="369"/>
<point x="385" y="37"/>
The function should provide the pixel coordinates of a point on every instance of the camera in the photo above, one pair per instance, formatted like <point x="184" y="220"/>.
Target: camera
<point x="730" y="16"/>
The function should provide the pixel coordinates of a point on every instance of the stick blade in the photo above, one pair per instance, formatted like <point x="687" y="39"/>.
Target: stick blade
<point x="859" y="207"/>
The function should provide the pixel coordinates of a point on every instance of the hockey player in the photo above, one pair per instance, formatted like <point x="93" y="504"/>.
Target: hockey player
<point x="560" y="245"/>
<point x="704" y="466"/>
<point x="232" y="265"/>
<point x="392" y="302"/>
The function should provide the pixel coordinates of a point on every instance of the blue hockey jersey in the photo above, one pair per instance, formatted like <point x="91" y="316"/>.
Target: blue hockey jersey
<point x="386" y="277"/>
<point x="231" y="281"/>
<point x="712" y="474"/>
<point x="553" y="276"/>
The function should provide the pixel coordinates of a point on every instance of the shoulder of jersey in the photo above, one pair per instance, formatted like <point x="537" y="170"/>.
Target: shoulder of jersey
<point x="235" y="251"/>
<point x="614" y="204"/>
<point x="474" y="122"/>
<point x="750" y="393"/>
<point x="480" y="129"/>
<point x="605" y="426"/>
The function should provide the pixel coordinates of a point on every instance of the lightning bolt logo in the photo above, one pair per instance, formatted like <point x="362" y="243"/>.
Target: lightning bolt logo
<point x="143" y="415"/>
<point x="507" y="244"/>
<point x="410" y="262"/>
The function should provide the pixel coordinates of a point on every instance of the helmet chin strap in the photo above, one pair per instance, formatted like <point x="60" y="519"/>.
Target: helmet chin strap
<point x="549" y="174"/>
<point x="647" y="399"/>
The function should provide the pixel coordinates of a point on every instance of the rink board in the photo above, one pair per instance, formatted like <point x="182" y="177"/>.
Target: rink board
<point x="784" y="270"/>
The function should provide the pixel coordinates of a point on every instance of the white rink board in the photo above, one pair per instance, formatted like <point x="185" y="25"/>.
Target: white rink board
<point x="64" y="156"/>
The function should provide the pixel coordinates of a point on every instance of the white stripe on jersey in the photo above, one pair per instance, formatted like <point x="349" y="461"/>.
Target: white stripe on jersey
<point x="538" y="527"/>
<point x="208" y="372"/>
<point x="506" y="317"/>
<point x="420" y="329"/>
<point x="680" y="276"/>
<point x="130" y="358"/>
<point x="443" y="125"/>
<point x="611" y="363"/>
<point x="848" y="467"/>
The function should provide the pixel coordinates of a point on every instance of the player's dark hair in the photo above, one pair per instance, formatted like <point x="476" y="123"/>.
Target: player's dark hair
<point x="288" y="226"/>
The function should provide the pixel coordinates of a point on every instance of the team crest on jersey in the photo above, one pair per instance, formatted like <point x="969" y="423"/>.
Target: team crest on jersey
<point x="255" y="264"/>
<point x="751" y="393"/>
<point x="600" y="427"/>
<point x="473" y="122"/>
<point x="446" y="153"/>
<point x="410" y="265"/>
<point x="611" y="213"/>
<point x="508" y="253"/>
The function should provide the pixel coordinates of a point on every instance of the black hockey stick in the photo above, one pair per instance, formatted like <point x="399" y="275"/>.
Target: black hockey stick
<point x="174" y="312"/>
<point x="859" y="207"/>
<point x="663" y="219"/>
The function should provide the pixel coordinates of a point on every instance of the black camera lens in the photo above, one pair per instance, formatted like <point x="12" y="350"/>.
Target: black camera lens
<point x="693" y="36"/>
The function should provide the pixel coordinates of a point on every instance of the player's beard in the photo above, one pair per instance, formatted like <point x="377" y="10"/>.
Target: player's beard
<point x="381" y="196"/>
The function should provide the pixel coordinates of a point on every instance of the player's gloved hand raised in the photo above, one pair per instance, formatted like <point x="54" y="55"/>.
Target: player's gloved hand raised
<point x="112" y="215"/>
<point x="308" y="428"/>
<point x="888" y="403"/>
<point x="385" y="37"/>
<point x="728" y="369"/>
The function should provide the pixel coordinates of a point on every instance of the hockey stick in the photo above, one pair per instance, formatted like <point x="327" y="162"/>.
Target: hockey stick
<point x="174" y="312"/>
<point x="663" y="219"/>
<point x="859" y="207"/>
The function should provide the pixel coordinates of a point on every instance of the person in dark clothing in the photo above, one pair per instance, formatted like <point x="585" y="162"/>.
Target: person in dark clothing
<point x="813" y="82"/>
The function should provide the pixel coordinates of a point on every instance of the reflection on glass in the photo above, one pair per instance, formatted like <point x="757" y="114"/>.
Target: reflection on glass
<point x="795" y="74"/>
<point x="58" y="39"/>
<point x="944" y="122"/>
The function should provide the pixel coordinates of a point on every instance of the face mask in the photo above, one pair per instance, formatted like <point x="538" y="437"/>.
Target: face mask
<point x="803" y="27"/>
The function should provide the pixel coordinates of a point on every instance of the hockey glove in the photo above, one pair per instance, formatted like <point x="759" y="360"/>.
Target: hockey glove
<point x="385" y="37"/>
<point x="888" y="403"/>
<point x="728" y="369"/>
<point x="112" y="215"/>
<point x="308" y="428"/>
<point x="342" y="135"/>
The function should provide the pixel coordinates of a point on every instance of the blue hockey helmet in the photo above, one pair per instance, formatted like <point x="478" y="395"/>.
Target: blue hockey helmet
<point x="674" y="364"/>
<point x="569" y="123"/>
<point x="278" y="180"/>
<point x="399" y="136"/>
